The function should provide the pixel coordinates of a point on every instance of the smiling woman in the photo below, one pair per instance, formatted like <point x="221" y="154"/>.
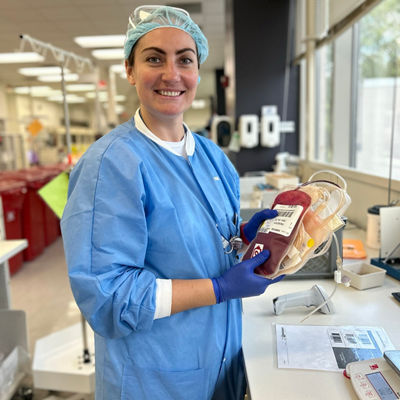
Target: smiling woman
<point x="165" y="74"/>
<point x="148" y="233"/>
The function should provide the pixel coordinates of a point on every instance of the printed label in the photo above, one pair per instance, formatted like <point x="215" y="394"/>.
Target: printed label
<point x="258" y="248"/>
<point x="284" y="223"/>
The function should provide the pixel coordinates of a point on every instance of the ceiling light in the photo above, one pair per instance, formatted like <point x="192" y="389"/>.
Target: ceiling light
<point x="198" y="104"/>
<point x="109" y="54"/>
<point x="118" y="68"/>
<point x="30" y="89"/>
<point x="36" y="71"/>
<point x="71" y="98"/>
<point x="57" y="78"/>
<point x="103" y="96"/>
<point x="10" y="58"/>
<point x="81" y="87"/>
<point x="119" y="109"/>
<point x="100" y="41"/>
<point x="47" y="93"/>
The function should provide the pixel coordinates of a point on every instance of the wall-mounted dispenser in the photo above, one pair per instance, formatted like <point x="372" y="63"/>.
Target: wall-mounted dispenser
<point x="270" y="126"/>
<point x="248" y="130"/>
<point x="222" y="130"/>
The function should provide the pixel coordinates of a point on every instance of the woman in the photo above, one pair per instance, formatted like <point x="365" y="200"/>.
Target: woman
<point x="148" y="232"/>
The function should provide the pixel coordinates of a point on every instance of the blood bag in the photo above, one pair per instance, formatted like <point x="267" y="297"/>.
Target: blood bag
<point x="308" y="215"/>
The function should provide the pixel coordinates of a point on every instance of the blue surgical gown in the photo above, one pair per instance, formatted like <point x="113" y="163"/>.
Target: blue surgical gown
<point x="137" y="212"/>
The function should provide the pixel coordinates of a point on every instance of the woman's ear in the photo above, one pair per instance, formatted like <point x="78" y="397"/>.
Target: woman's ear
<point x="129" y="73"/>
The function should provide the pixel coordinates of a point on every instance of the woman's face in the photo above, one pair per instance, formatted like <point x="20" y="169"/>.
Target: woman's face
<point x="165" y="72"/>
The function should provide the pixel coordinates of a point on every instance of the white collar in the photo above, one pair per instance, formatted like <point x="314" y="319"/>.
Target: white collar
<point x="141" y="126"/>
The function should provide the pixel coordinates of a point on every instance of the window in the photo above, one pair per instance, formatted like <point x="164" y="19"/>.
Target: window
<point x="323" y="123"/>
<point x="357" y="95"/>
<point x="378" y="99"/>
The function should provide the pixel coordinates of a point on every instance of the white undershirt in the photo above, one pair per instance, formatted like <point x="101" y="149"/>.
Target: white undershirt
<point x="182" y="148"/>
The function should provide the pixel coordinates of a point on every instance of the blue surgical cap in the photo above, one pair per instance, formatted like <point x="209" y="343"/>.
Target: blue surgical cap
<point x="147" y="18"/>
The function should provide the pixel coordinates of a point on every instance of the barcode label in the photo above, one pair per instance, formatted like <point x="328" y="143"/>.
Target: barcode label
<point x="286" y="214"/>
<point x="351" y="339"/>
<point x="284" y="222"/>
<point x="336" y="337"/>
<point x="364" y="338"/>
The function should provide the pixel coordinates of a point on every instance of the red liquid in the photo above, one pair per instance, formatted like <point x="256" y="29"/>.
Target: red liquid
<point x="276" y="243"/>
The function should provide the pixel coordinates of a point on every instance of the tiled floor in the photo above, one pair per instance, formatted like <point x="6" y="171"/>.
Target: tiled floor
<point x="41" y="289"/>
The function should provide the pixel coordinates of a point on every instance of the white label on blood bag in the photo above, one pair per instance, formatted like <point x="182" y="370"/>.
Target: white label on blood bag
<point x="258" y="248"/>
<point x="284" y="222"/>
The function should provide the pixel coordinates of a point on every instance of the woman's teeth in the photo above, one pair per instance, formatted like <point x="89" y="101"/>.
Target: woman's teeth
<point x="169" y="93"/>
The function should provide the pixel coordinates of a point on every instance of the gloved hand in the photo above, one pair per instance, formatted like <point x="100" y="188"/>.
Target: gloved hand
<point x="241" y="281"/>
<point x="249" y="230"/>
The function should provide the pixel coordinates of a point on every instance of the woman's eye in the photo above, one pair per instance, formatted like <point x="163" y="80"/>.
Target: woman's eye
<point x="154" y="60"/>
<point x="187" y="60"/>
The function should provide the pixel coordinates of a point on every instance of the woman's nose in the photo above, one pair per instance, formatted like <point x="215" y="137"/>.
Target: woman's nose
<point x="170" y="72"/>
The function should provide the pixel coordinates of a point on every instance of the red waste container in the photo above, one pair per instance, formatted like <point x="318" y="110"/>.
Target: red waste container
<point x="33" y="211"/>
<point x="12" y="194"/>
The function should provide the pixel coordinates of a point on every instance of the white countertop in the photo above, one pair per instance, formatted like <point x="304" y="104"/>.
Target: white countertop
<point x="9" y="248"/>
<point x="371" y="307"/>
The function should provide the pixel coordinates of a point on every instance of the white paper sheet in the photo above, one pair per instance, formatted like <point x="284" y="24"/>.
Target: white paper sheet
<point x="328" y="348"/>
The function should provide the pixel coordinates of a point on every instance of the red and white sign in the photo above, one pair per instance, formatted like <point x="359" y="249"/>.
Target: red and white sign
<point x="258" y="248"/>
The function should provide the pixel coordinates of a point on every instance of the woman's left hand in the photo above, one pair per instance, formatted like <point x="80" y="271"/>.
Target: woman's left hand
<point x="249" y="230"/>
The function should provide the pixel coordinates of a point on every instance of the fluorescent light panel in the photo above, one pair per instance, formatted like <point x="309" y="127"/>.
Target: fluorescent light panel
<point x="119" y="109"/>
<point x="100" y="41"/>
<point x="81" y="87"/>
<point x="109" y="54"/>
<point x="103" y="96"/>
<point x="36" y="91"/>
<point x="29" y="89"/>
<point x="71" y="98"/>
<point x="37" y="71"/>
<point x="57" y="78"/>
<point x="18" y="57"/>
<point x="118" y="68"/>
<point x="198" y="104"/>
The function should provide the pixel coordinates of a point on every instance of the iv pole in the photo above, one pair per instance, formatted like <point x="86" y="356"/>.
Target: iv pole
<point x="63" y="57"/>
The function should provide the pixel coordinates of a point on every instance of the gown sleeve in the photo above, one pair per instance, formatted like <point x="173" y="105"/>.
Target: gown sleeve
<point x="105" y="239"/>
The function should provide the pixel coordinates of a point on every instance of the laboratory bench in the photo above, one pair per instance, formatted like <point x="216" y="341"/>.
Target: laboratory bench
<point x="371" y="307"/>
<point x="13" y="330"/>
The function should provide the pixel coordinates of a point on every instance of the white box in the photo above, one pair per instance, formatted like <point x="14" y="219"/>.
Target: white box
<point x="280" y="179"/>
<point x="364" y="276"/>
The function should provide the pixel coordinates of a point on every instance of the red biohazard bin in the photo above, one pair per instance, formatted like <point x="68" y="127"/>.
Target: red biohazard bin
<point x="12" y="195"/>
<point x="33" y="211"/>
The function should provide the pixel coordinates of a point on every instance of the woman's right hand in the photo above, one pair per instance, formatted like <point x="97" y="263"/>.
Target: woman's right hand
<point x="241" y="281"/>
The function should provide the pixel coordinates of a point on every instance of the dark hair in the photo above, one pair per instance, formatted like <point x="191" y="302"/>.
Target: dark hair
<point x="131" y="56"/>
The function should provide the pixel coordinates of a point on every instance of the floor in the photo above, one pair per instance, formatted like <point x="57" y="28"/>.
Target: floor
<point x="41" y="289"/>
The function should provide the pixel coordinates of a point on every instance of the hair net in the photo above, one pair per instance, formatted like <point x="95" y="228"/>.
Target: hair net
<point x="147" y="18"/>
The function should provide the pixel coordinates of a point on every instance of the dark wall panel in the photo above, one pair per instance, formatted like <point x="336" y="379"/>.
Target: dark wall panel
<point x="260" y="41"/>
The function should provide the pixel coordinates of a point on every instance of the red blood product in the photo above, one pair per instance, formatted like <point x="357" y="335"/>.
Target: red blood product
<point x="277" y="234"/>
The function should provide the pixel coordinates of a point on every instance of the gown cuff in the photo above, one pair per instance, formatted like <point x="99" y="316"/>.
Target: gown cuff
<point x="163" y="298"/>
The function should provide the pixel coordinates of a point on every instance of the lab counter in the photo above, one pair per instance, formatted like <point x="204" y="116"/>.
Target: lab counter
<point x="8" y="248"/>
<point x="370" y="307"/>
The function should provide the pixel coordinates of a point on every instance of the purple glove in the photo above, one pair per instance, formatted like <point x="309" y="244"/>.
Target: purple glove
<point x="250" y="229"/>
<point x="241" y="281"/>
